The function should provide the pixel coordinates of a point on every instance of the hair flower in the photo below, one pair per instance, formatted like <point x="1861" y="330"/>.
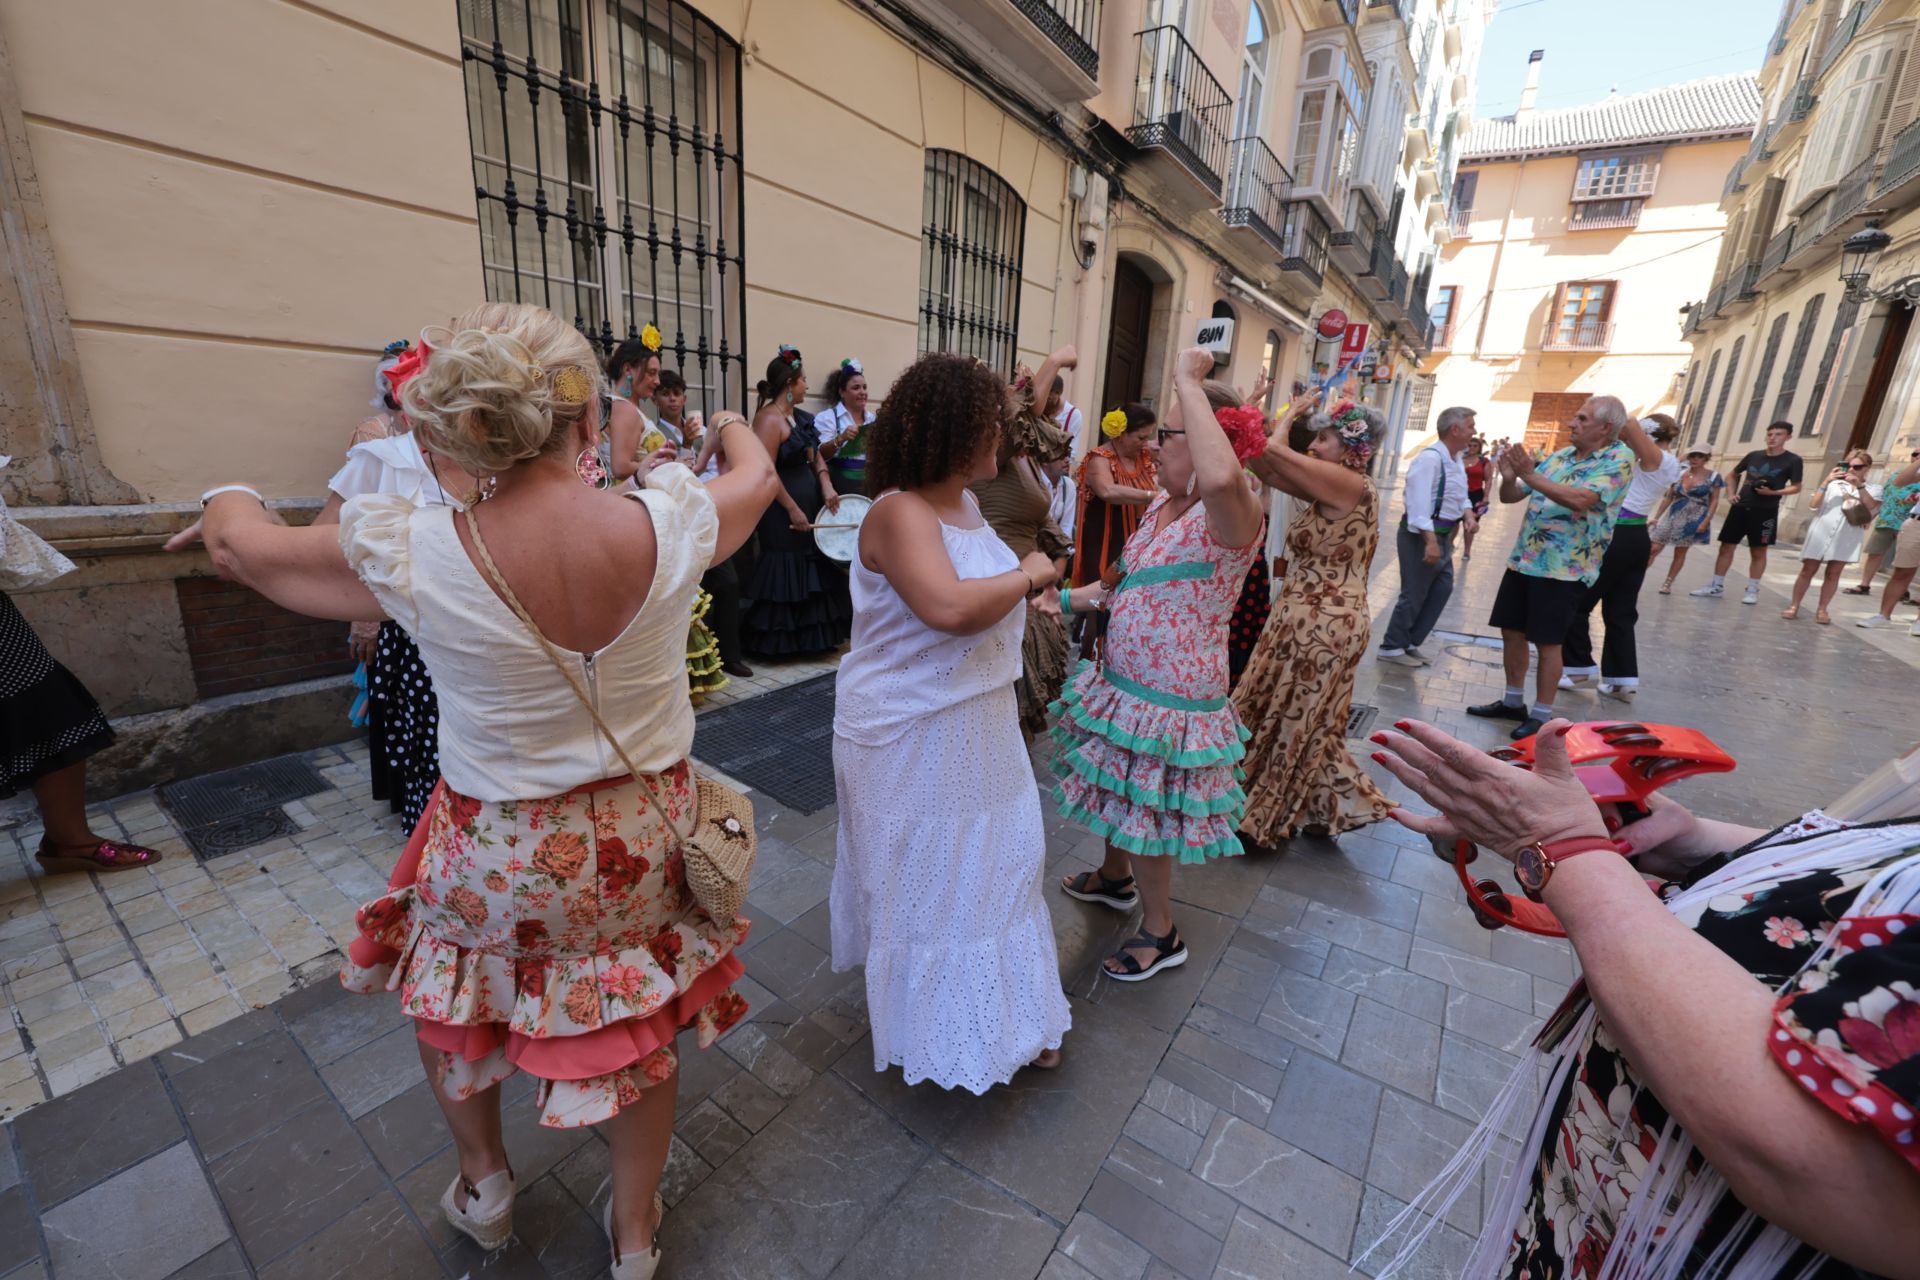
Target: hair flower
<point x="852" y="365"/>
<point x="1349" y="422"/>
<point x="411" y="362"/>
<point x="1114" y="424"/>
<point x="650" y="337"/>
<point x="1246" y="429"/>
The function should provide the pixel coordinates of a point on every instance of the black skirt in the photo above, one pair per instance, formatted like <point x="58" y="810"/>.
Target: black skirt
<point x="403" y="725"/>
<point x="48" y="720"/>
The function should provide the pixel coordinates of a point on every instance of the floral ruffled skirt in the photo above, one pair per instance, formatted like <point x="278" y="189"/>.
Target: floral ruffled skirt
<point x="1154" y="774"/>
<point x="553" y="936"/>
<point x="703" y="650"/>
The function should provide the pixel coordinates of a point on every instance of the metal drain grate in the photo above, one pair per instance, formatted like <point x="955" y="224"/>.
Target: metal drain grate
<point x="246" y="790"/>
<point x="1360" y="719"/>
<point x="230" y="835"/>
<point x="780" y="743"/>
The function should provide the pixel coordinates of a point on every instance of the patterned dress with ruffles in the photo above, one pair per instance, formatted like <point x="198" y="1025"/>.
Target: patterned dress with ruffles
<point x="1298" y="686"/>
<point x="1149" y="745"/>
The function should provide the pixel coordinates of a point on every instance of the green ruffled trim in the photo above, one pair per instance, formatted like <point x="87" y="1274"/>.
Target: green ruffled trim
<point x="1226" y="847"/>
<point x="1154" y="574"/>
<point x="1068" y="705"/>
<point x="1175" y="801"/>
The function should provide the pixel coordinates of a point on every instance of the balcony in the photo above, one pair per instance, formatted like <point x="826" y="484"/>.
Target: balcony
<point x="1454" y="33"/>
<point x="1843" y="34"/>
<point x="1352" y="245"/>
<point x="1258" y="186"/>
<point x="1064" y="61"/>
<point x="1462" y="224"/>
<point x="1603" y="215"/>
<point x="1180" y="112"/>
<point x="1903" y="163"/>
<point x="1303" y="248"/>
<point x="1736" y="179"/>
<point x="1779" y="249"/>
<point x="1742" y="287"/>
<point x="1850" y="193"/>
<point x="1419" y="323"/>
<point x="1349" y="10"/>
<point x="1577" y="333"/>
<point x="1377" y="280"/>
<point x="1440" y="334"/>
<point x="1800" y="103"/>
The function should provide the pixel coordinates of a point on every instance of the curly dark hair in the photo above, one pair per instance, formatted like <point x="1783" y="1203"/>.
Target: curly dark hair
<point x="939" y="414"/>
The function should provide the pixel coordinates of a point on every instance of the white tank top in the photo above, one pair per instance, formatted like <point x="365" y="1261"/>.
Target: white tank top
<point x="899" y="669"/>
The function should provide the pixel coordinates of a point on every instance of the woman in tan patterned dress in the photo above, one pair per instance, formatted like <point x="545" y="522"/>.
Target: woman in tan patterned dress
<point x="1298" y="686"/>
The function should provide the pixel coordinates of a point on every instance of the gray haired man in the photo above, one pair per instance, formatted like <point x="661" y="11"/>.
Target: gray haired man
<point x="1436" y="505"/>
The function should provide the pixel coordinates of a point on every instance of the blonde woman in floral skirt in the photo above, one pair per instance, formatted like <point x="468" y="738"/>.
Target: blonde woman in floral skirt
<point x="540" y="919"/>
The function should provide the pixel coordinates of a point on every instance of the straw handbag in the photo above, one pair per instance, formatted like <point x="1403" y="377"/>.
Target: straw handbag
<point x="720" y="850"/>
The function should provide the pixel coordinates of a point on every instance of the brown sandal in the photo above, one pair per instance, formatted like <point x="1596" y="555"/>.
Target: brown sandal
<point x="1822" y="617"/>
<point x="108" y="855"/>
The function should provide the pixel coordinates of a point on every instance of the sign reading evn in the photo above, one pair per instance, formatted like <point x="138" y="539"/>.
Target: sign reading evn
<point x="1216" y="335"/>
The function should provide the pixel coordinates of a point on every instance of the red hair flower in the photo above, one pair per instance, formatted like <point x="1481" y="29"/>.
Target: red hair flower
<point x="406" y="366"/>
<point x="1246" y="429"/>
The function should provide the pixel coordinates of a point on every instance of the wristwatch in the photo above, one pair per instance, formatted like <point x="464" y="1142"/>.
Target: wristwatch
<point x="1533" y="865"/>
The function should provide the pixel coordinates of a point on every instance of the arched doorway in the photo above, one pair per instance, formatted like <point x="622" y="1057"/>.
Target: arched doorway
<point x="1131" y="320"/>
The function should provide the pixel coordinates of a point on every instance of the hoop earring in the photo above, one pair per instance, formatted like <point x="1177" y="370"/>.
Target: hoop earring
<point x="587" y="466"/>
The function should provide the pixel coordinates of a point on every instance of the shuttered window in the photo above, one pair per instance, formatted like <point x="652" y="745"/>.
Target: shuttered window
<point x="1726" y="387"/>
<point x="1706" y="390"/>
<point x="1771" y="352"/>
<point x="1797" y="357"/>
<point x="1842" y="321"/>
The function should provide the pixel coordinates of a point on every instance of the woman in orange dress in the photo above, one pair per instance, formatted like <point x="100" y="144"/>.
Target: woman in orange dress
<point x="1117" y="479"/>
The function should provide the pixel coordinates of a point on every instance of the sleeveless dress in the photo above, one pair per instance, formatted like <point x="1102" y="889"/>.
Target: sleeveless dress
<point x="539" y="920"/>
<point x="799" y="606"/>
<point x="1148" y="742"/>
<point x="1018" y="504"/>
<point x="1685" y="521"/>
<point x="1298" y="687"/>
<point x="936" y="882"/>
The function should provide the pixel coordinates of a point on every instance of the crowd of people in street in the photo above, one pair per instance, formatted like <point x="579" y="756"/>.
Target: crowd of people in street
<point x="547" y="558"/>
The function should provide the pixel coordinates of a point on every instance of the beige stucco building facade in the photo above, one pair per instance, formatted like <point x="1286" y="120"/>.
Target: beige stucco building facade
<point x="217" y="214"/>
<point x="1791" y="328"/>
<point x="1580" y="233"/>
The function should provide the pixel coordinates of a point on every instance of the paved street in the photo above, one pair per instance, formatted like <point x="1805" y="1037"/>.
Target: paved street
<point x="1261" y="1112"/>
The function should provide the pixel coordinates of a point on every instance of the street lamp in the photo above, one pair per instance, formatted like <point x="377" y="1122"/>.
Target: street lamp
<point x="1861" y="246"/>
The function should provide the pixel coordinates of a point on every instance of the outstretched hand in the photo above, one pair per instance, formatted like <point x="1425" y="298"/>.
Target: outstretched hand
<point x="1496" y="805"/>
<point x="187" y="537"/>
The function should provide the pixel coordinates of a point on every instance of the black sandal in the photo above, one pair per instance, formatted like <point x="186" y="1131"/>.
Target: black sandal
<point x="1171" y="954"/>
<point x="1118" y="894"/>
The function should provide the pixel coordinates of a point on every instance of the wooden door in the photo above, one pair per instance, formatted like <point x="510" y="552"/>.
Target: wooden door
<point x="1547" y="419"/>
<point x="1127" y="348"/>
<point x="1893" y="340"/>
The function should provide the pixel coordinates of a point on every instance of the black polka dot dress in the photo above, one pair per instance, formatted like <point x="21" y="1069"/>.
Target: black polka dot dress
<point x="1249" y="614"/>
<point x="403" y="725"/>
<point x="48" y="720"/>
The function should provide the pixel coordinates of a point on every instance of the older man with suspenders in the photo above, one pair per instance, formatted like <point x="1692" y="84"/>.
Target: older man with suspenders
<point x="1436" y="504"/>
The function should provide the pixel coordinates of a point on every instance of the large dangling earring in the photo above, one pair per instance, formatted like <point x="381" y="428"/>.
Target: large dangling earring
<point x="590" y="470"/>
<point x="1193" y="482"/>
<point x="488" y="486"/>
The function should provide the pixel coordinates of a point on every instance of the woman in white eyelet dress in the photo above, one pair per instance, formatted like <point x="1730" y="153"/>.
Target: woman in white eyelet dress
<point x="936" y="886"/>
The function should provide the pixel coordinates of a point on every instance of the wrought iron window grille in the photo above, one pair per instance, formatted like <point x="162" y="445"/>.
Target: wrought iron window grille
<point x="972" y="243"/>
<point x="572" y="101"/>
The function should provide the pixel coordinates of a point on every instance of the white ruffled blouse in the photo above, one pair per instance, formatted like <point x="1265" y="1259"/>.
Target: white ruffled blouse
<point x="511" y="728"/>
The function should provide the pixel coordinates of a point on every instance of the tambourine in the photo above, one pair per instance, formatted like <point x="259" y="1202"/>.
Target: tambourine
<point x="1620" y="763"/>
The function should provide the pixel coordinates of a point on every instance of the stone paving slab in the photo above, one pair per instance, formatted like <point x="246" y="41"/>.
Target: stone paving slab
<point x="1262" y="1112"/>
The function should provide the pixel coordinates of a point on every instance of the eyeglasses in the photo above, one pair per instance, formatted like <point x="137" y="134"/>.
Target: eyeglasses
<point x="1164" y="432"/>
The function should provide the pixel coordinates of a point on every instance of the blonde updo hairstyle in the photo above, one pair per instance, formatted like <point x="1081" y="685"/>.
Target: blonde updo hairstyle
<point x="486" y="399"/>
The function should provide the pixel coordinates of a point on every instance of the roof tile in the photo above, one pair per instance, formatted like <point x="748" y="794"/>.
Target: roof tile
<point x="1717" y="107"/>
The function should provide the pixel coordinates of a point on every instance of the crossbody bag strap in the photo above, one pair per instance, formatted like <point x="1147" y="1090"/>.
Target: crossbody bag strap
<point x="499" y="582"/>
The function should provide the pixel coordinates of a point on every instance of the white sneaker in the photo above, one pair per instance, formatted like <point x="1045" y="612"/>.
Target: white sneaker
<point x="1752" y="596"/>
<point x="1400" y="658"/>
<point x="1873" y="620"/>
<point x="1413" y="651"/>
<point x="1576" y="682"/>
<point x="1711" y="589"/>
<point x="1618" y="692"/>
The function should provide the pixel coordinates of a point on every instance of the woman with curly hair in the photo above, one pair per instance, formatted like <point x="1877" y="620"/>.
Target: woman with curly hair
<point x="1018" y="503"/>
<point x="1149" y="742"/>
<point x="936" y="879"/>
<point x="1298" y="686"/>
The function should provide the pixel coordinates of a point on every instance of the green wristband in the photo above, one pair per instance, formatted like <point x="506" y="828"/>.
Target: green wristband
<point x="1066" y="601"/>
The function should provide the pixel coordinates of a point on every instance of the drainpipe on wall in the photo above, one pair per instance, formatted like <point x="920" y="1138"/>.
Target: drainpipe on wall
<point x="1094" y="284"/>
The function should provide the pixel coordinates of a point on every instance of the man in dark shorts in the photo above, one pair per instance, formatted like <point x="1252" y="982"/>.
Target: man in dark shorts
<point x="1762" y="478"/>
<point x="1572" y="497"/>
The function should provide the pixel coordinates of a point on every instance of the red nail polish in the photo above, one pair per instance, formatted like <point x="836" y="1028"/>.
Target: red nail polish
<point x="1379" y="757"/>
<point x="1624" y="846"/>
<point x="1380" y="738"/>
<point x="1403" y="726"/>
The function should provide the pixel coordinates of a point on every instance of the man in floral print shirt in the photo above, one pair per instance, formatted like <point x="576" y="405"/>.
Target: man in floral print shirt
<point x="1572" y="498"/>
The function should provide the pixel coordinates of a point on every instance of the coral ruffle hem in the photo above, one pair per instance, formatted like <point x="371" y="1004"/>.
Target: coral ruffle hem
<point x="555" y="937"/>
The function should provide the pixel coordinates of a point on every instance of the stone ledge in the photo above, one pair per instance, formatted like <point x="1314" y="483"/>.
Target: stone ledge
<point x="97" y="531"/>
<point x="220" y="733"/>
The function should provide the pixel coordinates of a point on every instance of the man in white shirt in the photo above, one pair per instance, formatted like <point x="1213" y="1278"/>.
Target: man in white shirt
<point x="1436" y="504"/>
<point x="1070" y="419"/>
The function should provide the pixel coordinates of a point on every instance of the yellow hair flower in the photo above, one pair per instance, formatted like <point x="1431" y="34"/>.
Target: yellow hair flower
<point x="650" y="338"/>
<point x="1114" y="425"/>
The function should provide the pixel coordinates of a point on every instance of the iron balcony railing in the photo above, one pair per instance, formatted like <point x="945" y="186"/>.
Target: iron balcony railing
<point x="1577" y="333"/>
<point x="1844" y="33"/>
<point x="1440" y="334"/>
<point x="1800" y="102"/>
<point x="1590" y="215"/>
<point x="1903" y="158"/>
<point x="1418" y="322"/>
<point x="1380" y="263"/>
<point x="1072" y="25"/>
<point x="1850" y="193"/>
<point x="1735" y="178"/>
<point x="1779" y="249"/>
<point x="1397" y="283"/>
<point x="1743" y="284"/>
<point x="1179" y="107"/>
<point x="1462" y="220"/>
<point x="1258" y="187"/>
<point x="1303" y="242"/>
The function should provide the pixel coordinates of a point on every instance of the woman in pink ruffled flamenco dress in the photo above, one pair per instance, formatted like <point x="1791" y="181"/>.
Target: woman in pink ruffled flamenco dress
<point x="540" y="918"/>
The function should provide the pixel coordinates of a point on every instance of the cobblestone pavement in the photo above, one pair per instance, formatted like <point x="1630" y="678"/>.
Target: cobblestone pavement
<point x="1261" y="1112"/>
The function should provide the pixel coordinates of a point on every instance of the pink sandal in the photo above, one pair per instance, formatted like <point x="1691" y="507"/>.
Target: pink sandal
<point x="108" y="855"/>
